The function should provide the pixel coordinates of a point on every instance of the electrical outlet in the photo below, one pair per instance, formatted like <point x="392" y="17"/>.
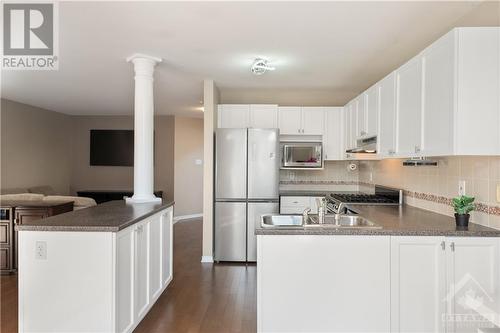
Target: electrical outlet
<point x="371" y="176"/>
<point x="498" y="192"/>
<point x="41" y="250"/>
<point x="461" y="187"/>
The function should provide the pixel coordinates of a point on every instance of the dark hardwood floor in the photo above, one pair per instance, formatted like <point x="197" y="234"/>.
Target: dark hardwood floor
<point x="201" y="298"/>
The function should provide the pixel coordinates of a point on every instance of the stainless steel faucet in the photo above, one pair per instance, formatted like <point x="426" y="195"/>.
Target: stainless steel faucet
<point x="321" y="202"/>
<point x="305" y="215"/>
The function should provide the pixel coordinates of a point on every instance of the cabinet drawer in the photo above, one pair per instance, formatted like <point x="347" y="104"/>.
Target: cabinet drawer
<point x="294" y="201"/>
<point x="5" y="233"/>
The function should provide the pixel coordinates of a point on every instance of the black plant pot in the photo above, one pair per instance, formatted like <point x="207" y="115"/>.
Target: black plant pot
<point x="462" y="220"/>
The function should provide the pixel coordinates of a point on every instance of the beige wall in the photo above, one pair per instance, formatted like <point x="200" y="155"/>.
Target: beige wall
<point x="188" y="187"/>
<point x="35" y="147"/>
<point x="481" y="175"/>
<point x="210" y="101"/>
<point x="87" y="177"/>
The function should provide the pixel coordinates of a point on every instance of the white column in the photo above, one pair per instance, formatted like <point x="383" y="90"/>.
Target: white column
<point x="143" y="128"/>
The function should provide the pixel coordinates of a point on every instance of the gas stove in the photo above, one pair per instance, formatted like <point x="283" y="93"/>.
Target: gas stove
<point x="339" y="202"/>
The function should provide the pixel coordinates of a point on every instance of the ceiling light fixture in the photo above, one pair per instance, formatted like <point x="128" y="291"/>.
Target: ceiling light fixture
<point x="260" y="66"/>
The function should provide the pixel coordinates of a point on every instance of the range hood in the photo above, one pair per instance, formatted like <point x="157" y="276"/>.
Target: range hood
<point x="366" y="145"/>
<point x="419" y="161"/>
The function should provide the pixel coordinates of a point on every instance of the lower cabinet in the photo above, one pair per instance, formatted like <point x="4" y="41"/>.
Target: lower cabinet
<point x="144" y="268"/>
<point x="313" y="283"/>
<point x="444" y="284"/>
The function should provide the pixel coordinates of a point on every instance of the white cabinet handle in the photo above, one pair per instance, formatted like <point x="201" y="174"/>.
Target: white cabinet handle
<point x="443" y="245"/>
<point x="452" y="246"/>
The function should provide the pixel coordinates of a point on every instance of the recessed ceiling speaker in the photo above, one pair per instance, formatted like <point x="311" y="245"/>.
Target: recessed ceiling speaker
<point x="260" y="66"/>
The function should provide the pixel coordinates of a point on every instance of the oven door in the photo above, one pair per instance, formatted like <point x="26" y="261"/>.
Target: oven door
<point x="299" y="155"/>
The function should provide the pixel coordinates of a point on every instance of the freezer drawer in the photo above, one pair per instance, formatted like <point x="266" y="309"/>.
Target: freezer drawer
<point x="255" y="211"/>
<point x="230" y="231"/>
<point x="231" y="164"/>
<point x="263" y="164"/>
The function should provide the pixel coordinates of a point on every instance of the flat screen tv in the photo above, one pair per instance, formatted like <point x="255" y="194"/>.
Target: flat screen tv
<point x="112" y="147"/>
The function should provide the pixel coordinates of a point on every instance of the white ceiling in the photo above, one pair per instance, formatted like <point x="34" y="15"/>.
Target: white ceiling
<point x="337" y="47"/>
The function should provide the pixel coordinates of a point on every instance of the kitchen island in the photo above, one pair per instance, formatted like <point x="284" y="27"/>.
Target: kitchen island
<point x="418" y="273"/>
<point x="98" y="269"/>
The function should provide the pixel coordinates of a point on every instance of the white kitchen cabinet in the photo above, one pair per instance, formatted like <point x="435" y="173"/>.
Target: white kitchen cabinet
<point x="473" y="275"/>
<point x="372" y="110"/>
<point x="360" y="104"/>
<point x="263" y="116"/>
<point x="290" y="120"/>
<point x="141" y="261"/>
<point x="311" y="283"/>
<point x="233" y="116"/>
<point x="110" y="279"/>
<point x="409" y="108"/>
<point x="347" y="127"/>
<point x="333" y="144"/>
<point x="387" y="114"/>
<point x="432" y="277"/>
<point x="418" y="284"/>
<point x="247" y="116"/>
<point x="297" y="204"/>
<point x="313" y="120"/>
<point x="295" y="120"/>
<point x="438" y="87"/>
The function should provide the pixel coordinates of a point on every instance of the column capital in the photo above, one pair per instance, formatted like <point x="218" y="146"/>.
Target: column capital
<point x="140" y="56"/>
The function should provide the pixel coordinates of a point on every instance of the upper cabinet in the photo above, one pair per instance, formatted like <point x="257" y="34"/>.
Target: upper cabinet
<point x="387" y="116"/>
<point x="247" y="116"/>
<point x="333" y="143"/>
<point x="233" y="116"/>
<point x="409" y="108"/>
<point x="290" y="120"/>
<point x="295" y="120"/>
<point x="372" y="110"/>
<point x="263" y="116"/>
<point x="442" y="102"/>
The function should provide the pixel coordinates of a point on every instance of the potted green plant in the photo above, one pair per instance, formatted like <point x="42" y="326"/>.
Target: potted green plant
<point x="463" y="205"/>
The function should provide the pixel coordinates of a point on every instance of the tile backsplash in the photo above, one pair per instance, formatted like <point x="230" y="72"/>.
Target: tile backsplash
<point x="426" y="187"/>
<point x="431" y="187"/>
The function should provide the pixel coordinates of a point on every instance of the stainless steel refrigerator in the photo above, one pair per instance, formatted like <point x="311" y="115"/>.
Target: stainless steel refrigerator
<point x="246" y="187"/>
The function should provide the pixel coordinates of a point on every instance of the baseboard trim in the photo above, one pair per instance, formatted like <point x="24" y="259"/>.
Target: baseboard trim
<point x="187" y="217"/>
<point x="207" y="259"/>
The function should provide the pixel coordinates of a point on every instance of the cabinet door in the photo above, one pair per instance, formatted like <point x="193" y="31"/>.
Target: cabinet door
<point x="28" y="215"/>
<point x="313" y="120"/>
<point x="473" y="279"/>
<point x="409" y="107"/>
<point x="361" y="116"/>
<point x="233" y="116"/>
<point x="347" y="127"/>
<point x="263" y="116"/>
<point x="418" y="284"/>
<point x="167" y="246"/>
<point x="333" y="140"/>
<point x="155" y="260"/>
<point x="387" y="132"/>
<point x="290" y="120"/>
<point x="125" y="255"/>
<point x="372" y="110"/>
<point x="439" y="87"/>
<point x="141" y="270"/>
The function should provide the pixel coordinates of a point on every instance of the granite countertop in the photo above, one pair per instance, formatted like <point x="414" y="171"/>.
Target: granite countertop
<point x="110" y="216"/>
<point x="397" y="221"/>
<point x="33" y="203"/>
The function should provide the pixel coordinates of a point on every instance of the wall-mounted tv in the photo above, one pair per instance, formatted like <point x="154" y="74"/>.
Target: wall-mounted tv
<point x="112" y="147"/>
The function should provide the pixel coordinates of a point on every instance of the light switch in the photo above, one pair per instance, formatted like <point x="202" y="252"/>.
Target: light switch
<point x="461" y="187"/>
<point x="41" y="250"/>
<point x="197" y="162"/>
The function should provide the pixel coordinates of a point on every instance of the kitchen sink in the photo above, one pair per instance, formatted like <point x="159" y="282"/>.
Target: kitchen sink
<point x="282" y="221"/>
<point x="339" y="221"/>
<point x="343" y="221"/>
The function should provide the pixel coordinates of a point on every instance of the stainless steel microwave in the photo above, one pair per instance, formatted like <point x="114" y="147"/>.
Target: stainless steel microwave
<point x="301" y="155"/>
